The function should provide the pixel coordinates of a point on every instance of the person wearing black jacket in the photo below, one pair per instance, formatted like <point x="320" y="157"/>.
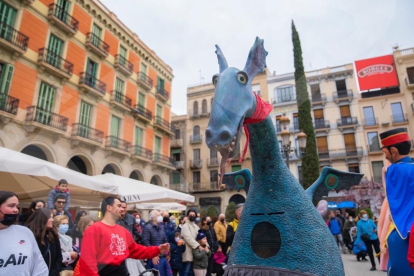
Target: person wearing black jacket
<point x="47" y="238"/>
<point x="35" y="205"/>
<point x="208" y="230"/>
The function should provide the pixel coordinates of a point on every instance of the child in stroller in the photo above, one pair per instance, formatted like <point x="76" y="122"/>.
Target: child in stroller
<point x="358" y="246"/>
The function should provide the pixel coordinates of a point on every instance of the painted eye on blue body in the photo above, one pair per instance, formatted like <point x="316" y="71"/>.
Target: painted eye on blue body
<point x="242" y="77"/>
<point x="215" y="80"/>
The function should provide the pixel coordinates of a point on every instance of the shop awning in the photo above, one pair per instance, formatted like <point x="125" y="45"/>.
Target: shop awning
<point x="339" y="205"/>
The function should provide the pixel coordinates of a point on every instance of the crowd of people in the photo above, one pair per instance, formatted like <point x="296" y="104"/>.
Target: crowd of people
<point x="47" y="241"/>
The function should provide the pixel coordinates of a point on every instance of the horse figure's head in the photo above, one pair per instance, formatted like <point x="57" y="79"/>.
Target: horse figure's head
<point x="233" y="101"/>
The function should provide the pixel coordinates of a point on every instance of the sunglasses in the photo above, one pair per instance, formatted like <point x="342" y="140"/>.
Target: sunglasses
<point x="61" y="202"/>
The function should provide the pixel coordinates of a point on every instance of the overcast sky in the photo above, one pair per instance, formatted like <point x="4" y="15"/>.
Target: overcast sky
<point x="183" y="33"/>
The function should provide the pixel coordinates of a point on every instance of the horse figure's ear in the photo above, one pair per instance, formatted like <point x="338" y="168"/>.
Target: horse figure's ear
<point x="221" y="59"/>
<point x="256" y="61"/>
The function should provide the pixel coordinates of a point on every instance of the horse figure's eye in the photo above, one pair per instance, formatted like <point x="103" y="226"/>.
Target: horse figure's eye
<point x="242" y="77"/>
<point x="215" y="80"/>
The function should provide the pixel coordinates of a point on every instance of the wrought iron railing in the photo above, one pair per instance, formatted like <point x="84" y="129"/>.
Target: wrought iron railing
<point x="285" y="98"/>
<point x="143" y="111"/>
<point x="144" y="78"/>
<point x="316" y="98"/>
<point x="87" y="132"/>
<point x="121" y="98"/>
<point x="46" y="117"/>
<point x="374" y="148"/>
<point x="399" y="118"/>
<point x="16" y="38"/>
<point x="213" y="162"/>
<point x="161" y="122"/>
<point x="55" y="60"/>
<point x="197" y="164"/>
<point x="159" y="158"/>
<point x="321" y="123"/>
<point x="9" y="104"/>
<point x="92" y="82"/>
<point x="347" y="121"/>
<point x="141" y="151"/>
<point x="343" y="94"/>
<point x="97" y="42"/>
<point x="124" y="63"/>
<point x="63" y="16"/>
<point x="115" y="142"/>
<point x="196" y="138"/>
<point x="161" y="91"/>
<point x="370" y="121"/>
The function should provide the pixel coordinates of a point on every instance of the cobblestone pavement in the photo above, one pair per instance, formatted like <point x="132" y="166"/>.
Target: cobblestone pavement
<point x="355" y="268"/>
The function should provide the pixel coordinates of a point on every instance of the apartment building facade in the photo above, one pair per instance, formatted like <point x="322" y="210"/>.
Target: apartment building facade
<point x="198" y="167"/>
<point x="80" y="89"/>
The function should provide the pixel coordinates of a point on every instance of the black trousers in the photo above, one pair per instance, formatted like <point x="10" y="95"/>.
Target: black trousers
<point x="108" y="270"/>
<point x="210" y="265"/>
<point x="369" y="244"/>
<point x="223" y="247"/>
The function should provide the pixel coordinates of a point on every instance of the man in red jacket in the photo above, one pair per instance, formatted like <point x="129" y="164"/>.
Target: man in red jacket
<point x="106" y="245"/>
<point x="410" y="255"/>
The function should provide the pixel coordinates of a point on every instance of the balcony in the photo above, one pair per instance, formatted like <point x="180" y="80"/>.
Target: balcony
<point x="343" y="95"/>
<point x="318" y="99"/>
<point x="323" y="155"/>
<point x="27" y="2"/>
<point x="205" y="112"/>
<point x="162" y="94"/>
<point x="12" y="40"/>
<point x="195" y="139"/>
<point x="374" y="149"/>
<point x="347" y="122"/>
<point x="179" y="165"/>
<point x="164" y="161"/>
<point x="144" y="81"/>
<point x="340" y="154"/>
<point x="141" y="113"/>
<point x="8" y="107"/>
<point x="213" y="162"/>
<point x="399" y="119"/>
<point x="196" y="164"/>
<point x="117" y="145"/>
<point x="370" y="123"/>
<point x="322" y="125"/>
<point x="205" y="186"/>
<point x="123" y="65"/>
<point x="278" y="128"/>
<point x="409" y="80"/>
<point x="96" y="45"/>
<point x="120" y="101"/>
<point x="195" y="113"/>
<point x="141" y="153"/>
<point x="180" y="187"/>
<point x="54" y="64"/>
<point x="87" y="135"/>
<point x="285" y="99"/>
<point x="176" y="143"/>
<point x="162" y="125"/>
<point x="61" y="19"/>
<point x="91" y="85"/>
<point x="36" y="117"/>
<point x="295" y="127"/>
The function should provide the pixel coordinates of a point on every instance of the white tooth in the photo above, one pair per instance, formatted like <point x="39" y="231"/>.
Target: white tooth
<point x="233" y="144"/>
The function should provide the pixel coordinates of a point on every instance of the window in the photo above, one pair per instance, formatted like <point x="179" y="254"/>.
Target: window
<point x="341" y="88"/>
<point x="377" y="170"/>
<point x="322" y="143"/>
<point x="285" y="94"/>
<point x="410" y="74"/>
<point x="138" y="136"/>
<point x="159" y="111"/>
<point x="256" y="89"/>
<point x="316" y="92"/>
<point x="176" y="153"/>
<point x="176" y="178"/>
<point x="119" y="90"/>
<point x="280" y="144"/>
<point x="45" y="103"/>
<point x="8" y="17"/>
<point x="354" y="168"/>
<point x="160" y="86"/>
<point x="177" y="134"/>
<point x="373" y="141"/>
<point x="96" y="35"/>
<point x="369" y="116"/>
<point x="345" y="111"/>
<point x="157" y="145"/>
<point x="62" y="10"/>
<point x="236" y="168"/>
<point x="196" y="177"/>
<point x="213" y="154"/>
<point x="397" y="113"/>
<point x="319" y="118"/>
<point x="204" y="107"/>
<point x="196" y="131"/>
<point x="143" y="68"/>
<point x="6" y="75"/>
<point x="195" y="108"/>
<point x="350" y="142"/>
<point x="300" y="174"/>
<point x="196" y="154"/>
<point x="54" y="51"/>
<point x="123" y="52"/>
<point x="213" y="176"/>
<point x="115" y="126"/>
<point x="91" y="72"/>
<point x="278" y="127"/>
<point x="295" y="121"/>
<point x="85" y="119"/>
<point x="141" y="99"/>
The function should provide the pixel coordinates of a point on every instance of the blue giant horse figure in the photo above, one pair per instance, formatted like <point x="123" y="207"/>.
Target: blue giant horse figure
<point x="280" y="230"/>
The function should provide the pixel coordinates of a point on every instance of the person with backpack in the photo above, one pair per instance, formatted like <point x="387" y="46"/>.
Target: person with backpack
<point x="335" y="225"/>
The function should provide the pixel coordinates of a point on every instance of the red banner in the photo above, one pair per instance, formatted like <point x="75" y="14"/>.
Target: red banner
<point x="376" y="73"/>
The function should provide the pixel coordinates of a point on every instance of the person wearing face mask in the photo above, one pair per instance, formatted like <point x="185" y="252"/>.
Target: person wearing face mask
<point x="154" y="235"/>
<point x="181" y="222"/>
<point x="189" y="233"/>
<point x="139" y="224"/>
<point x="69" y="256"/>
<point x="207" y="229"/>
<point x="349" y="223"/>
<point x="167" y="225"/>
<point x="47" y="238"/>
<point x="17" y="241"/>
<point x="220" y="227"/>
<point x="367" y="231"/>
<point x="177" y="248"/>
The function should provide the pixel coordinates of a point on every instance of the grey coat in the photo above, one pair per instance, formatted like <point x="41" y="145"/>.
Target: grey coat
<point x="200" y="258"/>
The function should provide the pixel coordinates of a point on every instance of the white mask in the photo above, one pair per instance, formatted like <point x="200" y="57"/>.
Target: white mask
<point x="177" y="239"/>
<point x="138" y="221"/>
<point x="351" y="219"/>
<point x="365" y="216"/>
<point x="160" y="219"/>
<point x="173" y="221"/>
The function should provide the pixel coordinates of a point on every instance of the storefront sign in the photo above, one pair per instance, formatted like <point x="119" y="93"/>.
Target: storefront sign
<point x="206" y="201"/>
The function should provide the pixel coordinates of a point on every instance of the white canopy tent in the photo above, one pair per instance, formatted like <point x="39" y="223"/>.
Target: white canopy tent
<point x="134" y="191"/>
<point x="32" y="178"/>
<point x="173" y="206"/>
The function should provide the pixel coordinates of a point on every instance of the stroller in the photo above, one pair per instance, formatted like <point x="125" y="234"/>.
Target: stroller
<point x="137" y="268"/>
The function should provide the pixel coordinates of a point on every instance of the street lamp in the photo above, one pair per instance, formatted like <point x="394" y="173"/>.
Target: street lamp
<point x="287" y="148"/>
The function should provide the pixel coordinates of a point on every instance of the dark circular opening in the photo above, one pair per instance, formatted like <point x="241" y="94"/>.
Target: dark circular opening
<point x="266" y="240"/>
<point x="35" y="151"/>
<point x="237" y="199"/>
<point x="108" y="169"/>
<point x="134" y="175"/>
<point x="77" y="164"/>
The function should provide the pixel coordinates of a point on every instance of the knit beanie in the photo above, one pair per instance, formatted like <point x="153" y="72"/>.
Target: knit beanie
<point x="200" y="235"/>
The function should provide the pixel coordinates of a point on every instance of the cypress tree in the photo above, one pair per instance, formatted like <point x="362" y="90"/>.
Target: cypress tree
<point x="310" y="160"/>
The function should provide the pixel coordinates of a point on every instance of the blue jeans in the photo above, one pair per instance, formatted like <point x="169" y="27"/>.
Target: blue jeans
<point x="187" y="269"/>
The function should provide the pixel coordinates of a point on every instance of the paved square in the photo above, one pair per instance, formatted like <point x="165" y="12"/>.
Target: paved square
<point x="355" y="268"/>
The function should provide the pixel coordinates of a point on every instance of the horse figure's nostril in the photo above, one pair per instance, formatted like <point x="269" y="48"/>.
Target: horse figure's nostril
<point x="208" y="134"/>
<point x="225" y="136"/>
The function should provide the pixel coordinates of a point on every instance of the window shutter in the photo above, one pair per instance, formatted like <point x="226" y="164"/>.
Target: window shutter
<point x="345" y="111"/>
<point x="322" y="143"/>
<point x="349" y="141"/>
<point x="5" y="79"/>
<point x="318" y="113"/>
